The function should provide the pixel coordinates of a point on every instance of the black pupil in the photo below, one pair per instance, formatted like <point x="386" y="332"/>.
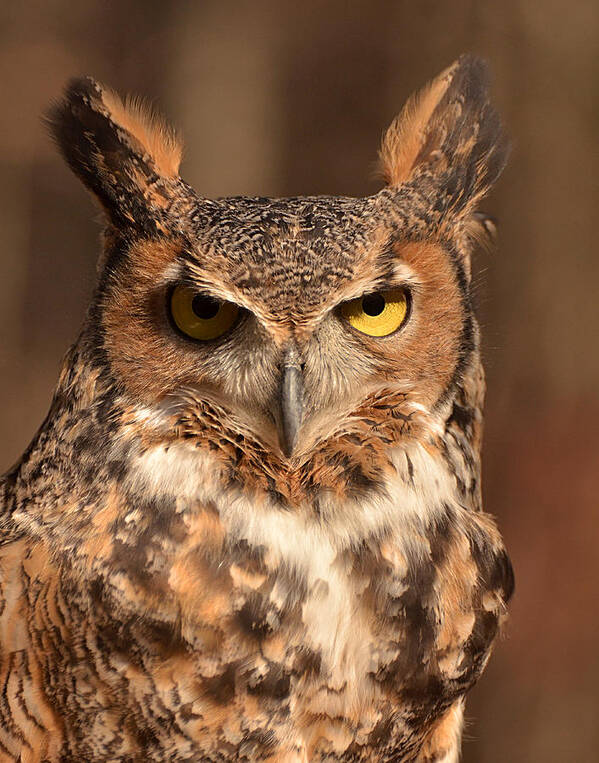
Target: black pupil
<point x="373" y="304"/>
<point x="205" y="307"/>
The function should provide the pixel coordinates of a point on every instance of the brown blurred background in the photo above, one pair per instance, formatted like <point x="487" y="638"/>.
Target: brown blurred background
<point x="281" y="98"/>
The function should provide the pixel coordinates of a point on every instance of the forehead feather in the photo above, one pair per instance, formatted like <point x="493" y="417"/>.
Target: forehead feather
<point x="284" y="251"/>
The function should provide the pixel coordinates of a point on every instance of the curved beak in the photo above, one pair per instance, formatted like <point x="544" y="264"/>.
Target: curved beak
<point x="292" y="399"/>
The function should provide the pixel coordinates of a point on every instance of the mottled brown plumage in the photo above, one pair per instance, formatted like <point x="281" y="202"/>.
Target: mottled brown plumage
<point x="185" y="578"/>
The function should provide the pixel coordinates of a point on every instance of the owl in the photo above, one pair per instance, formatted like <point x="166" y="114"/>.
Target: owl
<point x="250" y="527"/>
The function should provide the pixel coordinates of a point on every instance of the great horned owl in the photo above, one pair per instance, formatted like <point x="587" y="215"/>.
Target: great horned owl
<point x="250" y="527"/>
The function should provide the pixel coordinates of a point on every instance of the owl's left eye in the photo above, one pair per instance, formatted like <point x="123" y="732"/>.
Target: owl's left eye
<point x="378" y="314"/>
<point x="201" y="316"/>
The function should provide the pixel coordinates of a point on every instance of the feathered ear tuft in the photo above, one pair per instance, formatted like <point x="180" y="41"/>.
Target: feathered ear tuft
<point x="405" y="136"/>
<point x="448" y="140"/>
<point x="122" y="151"/>
<point x="146" y="125"/>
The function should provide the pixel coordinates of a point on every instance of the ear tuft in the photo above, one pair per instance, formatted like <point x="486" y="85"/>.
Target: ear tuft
<point x="406" y="135"/>
<point x="123" y="152"/>
<point x="448" y="139"/>
<point x="158" y="138"/>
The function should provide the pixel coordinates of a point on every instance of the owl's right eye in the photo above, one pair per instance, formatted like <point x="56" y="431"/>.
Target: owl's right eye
<point x="201" y="316"/>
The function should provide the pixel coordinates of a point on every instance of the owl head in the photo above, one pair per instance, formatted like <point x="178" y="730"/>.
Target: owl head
<point x="280" y="333"/>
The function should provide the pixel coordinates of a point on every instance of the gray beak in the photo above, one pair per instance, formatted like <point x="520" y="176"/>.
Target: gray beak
<point x="292" y="399"/>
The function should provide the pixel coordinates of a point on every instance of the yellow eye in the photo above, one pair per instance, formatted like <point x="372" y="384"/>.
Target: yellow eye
<point x="378" y="314"/>
<point x="199" y="315"/>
